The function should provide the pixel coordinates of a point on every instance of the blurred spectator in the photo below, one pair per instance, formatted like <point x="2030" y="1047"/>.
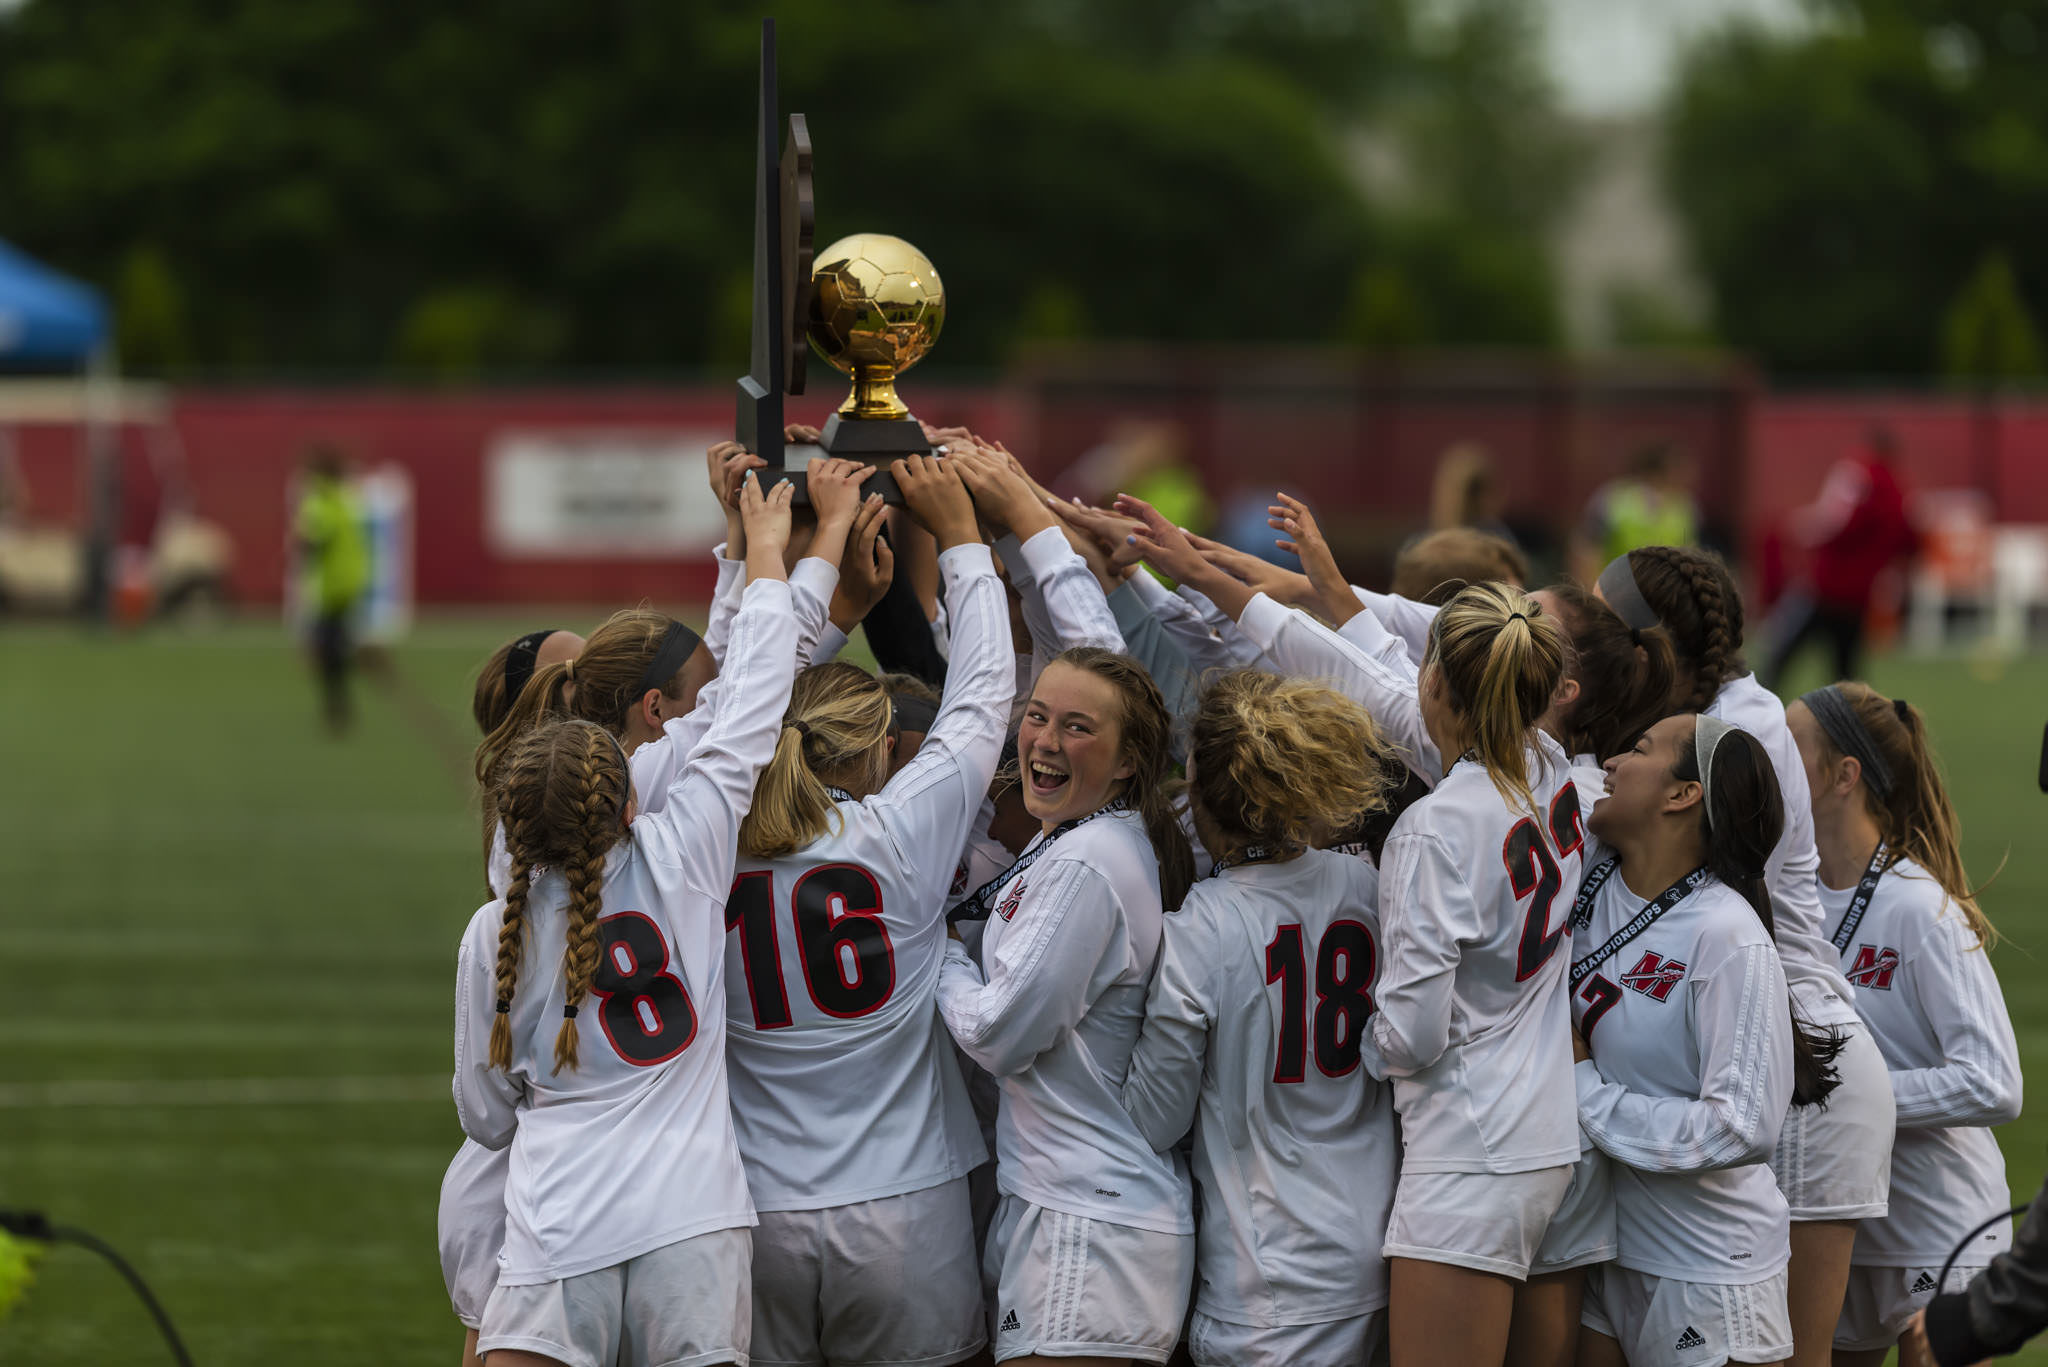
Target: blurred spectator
<point x="1853" y="532"/>
<point x="1466" y="492"/>
<point x="334" y="549"/>
<point x="1147" y="460"/>
<point x="1651" y="505"/>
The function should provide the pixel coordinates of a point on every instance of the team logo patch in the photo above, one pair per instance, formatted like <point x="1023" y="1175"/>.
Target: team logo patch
<point x="1009" y="1324"/>
<point x="1691" y="1338"/>
<point x="959" y="880"/>
<point x="1923" y="1282"/>
<point x="1654" y="976"/>
<point x="1007" y="909"/>
<point x="1874" y="967"/>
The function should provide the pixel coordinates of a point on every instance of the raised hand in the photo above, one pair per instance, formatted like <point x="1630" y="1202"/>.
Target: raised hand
<point x="866" y="568"/>
<point x="1002" y="494"/>
<point x="802" y="435"/>
<point x="1334" y="597"/>
<point x="725" y="463"/>
<point x="1164" y="546"/>
<point x="1277" y="582"/>
<point x="834" y="487"/>
<point x="937" y="497"/>
<point x="765" y="515"/>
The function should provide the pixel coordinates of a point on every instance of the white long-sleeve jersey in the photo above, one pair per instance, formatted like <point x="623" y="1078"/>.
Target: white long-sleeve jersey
<point x="1792" y="872"/>
<point x="1689" y="1081"/>
<point x="1251" y="1033"/>
<point x="844" y="1086"/>
<point x="1925" y="988"/>
<point x="1190" y="627"/>
<point x="633" y="1149"/>
<point x="1053" y="1010"/>
<point x="1475" y="903"/>
<point x="1404" y="618"/>
<point x="1063" y="605"/>
<point x="1369" y="666"/>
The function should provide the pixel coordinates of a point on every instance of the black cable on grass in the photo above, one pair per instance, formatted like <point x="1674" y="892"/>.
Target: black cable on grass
<point x="33" y="1224"/>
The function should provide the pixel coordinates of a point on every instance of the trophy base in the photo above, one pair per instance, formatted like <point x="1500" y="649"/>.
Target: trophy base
<point x="875" y="442"/>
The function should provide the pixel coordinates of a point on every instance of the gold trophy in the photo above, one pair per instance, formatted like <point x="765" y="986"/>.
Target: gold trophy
<point x="876" y="308"/>
<point x="871" y="304"/>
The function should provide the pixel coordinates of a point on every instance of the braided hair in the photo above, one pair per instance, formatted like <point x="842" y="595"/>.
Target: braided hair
<point x="1697" y="605"/>
<point x="562" y="794"/>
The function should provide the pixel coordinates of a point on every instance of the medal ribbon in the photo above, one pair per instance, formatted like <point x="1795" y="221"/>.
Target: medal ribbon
<point x="977" y="904"/>
<point x="1866" y="888"/>
<point x="1653" y="910"/>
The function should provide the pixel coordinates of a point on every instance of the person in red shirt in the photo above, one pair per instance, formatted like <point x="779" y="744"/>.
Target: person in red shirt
<point x="1852" y="532"/>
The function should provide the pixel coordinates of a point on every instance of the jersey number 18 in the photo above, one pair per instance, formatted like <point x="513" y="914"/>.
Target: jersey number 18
<point x="1345" y="964"/>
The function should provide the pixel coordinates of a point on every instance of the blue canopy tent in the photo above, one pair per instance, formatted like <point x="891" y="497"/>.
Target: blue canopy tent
<point x="46" y="320"/>
<point x="51" y="322"/>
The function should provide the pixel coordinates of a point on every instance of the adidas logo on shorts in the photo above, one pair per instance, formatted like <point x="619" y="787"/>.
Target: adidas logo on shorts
<point x="1009" y="1324"/>
<point x="1924" y="1282"/>
<point x="1691" y="1338"/>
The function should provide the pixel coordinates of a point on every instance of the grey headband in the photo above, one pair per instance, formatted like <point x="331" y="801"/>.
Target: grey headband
<point x="1850" y="736"/>
<point x="1618" y="586"/>
<point x="1707" y="735"/>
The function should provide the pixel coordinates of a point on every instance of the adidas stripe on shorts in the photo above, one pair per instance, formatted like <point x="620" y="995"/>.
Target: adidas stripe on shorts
<point x="1881" y="1299"/>
<point x="1069" y="1286"/>
<point x="1660" y="1322"/>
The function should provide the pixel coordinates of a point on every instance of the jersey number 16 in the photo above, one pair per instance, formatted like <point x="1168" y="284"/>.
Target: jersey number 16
<point x="849" y="966"/>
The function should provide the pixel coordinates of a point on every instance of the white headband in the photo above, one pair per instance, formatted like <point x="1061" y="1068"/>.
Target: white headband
<point x="1707" y="734"/>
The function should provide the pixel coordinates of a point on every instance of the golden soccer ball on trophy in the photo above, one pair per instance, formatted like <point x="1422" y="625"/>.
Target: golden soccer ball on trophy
<point x="876" y="308"/>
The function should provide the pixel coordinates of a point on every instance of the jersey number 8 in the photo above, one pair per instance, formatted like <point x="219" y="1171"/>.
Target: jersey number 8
<point x="646" y="1012"/>
<point x="849" y="966"/>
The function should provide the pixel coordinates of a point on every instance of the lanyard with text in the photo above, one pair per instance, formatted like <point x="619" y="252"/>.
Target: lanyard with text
<point x="1250" y="854"/>
<point x="1866" y="889"/>
<point x="977" y="904"/>
<point x="1582" y="913"/>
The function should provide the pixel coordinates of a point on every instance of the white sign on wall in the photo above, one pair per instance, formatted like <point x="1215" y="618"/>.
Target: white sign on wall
<point x="596" y="493"/>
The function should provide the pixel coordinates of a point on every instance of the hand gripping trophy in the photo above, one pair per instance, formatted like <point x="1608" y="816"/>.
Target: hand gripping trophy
<point x="871" y="305"/>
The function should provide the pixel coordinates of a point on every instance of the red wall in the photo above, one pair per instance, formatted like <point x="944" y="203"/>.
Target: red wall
<point x="1366" y="452"/>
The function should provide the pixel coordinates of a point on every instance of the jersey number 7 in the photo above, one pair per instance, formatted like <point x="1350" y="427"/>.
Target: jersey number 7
<point x="1533" y="873"/>
<point x="849" y="966"/>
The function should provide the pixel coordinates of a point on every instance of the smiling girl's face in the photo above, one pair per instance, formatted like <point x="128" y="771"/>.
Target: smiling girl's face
<point x="1070" y="745"/>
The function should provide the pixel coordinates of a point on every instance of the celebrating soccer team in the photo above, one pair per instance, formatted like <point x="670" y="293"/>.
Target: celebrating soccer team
<point x="1261" y="969"/>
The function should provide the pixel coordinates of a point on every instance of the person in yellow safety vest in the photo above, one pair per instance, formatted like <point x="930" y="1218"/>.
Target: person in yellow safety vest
<point x="334" y="550"/>
<point x="1651" y="505"/>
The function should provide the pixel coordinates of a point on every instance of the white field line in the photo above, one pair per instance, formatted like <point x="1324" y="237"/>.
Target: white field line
<point x="227" y="1091"/>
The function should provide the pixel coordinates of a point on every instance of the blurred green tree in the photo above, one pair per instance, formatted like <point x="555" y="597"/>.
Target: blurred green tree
<point x="328" y="184"/>
<point x="1842" y="184"/>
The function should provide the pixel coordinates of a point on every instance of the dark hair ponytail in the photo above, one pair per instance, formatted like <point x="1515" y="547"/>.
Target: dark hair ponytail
<point x="1739" y="830"/>
<point x="1624" y="676"/>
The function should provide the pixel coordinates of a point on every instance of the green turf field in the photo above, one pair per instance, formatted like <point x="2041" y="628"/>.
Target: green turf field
<point x="228" y="942"/>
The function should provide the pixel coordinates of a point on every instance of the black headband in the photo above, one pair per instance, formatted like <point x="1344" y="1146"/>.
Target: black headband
<point x="912" y="714"/>
<point x="519" y="661"/>
<point x="1619" y="587"/>
<point x="678" y="644"/>
<point x="1838" y="718"/>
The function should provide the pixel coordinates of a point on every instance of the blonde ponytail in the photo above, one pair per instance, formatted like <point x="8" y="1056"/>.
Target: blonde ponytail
<point x="837" y="726"/>
<point x="1500" y="659"/>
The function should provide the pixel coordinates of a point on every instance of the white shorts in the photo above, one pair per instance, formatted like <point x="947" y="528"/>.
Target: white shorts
<point x="1660" y="1322"/>
<point x="681" y="1305"/>
<point x="1069" y="1286"/>
<point x="1834" y="1162"/>
<point x="471" y="1227"/>
<point x="1582" y="1232"/>
<point x="883" y="1283"/>
<point x="1492" y="1221"/>
<point x="1881" y="1299"/>
<point x="1355" y="1342"/>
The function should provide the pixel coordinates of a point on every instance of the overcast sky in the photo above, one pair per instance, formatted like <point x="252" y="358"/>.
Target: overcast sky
<point x="1616" y="56"/>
